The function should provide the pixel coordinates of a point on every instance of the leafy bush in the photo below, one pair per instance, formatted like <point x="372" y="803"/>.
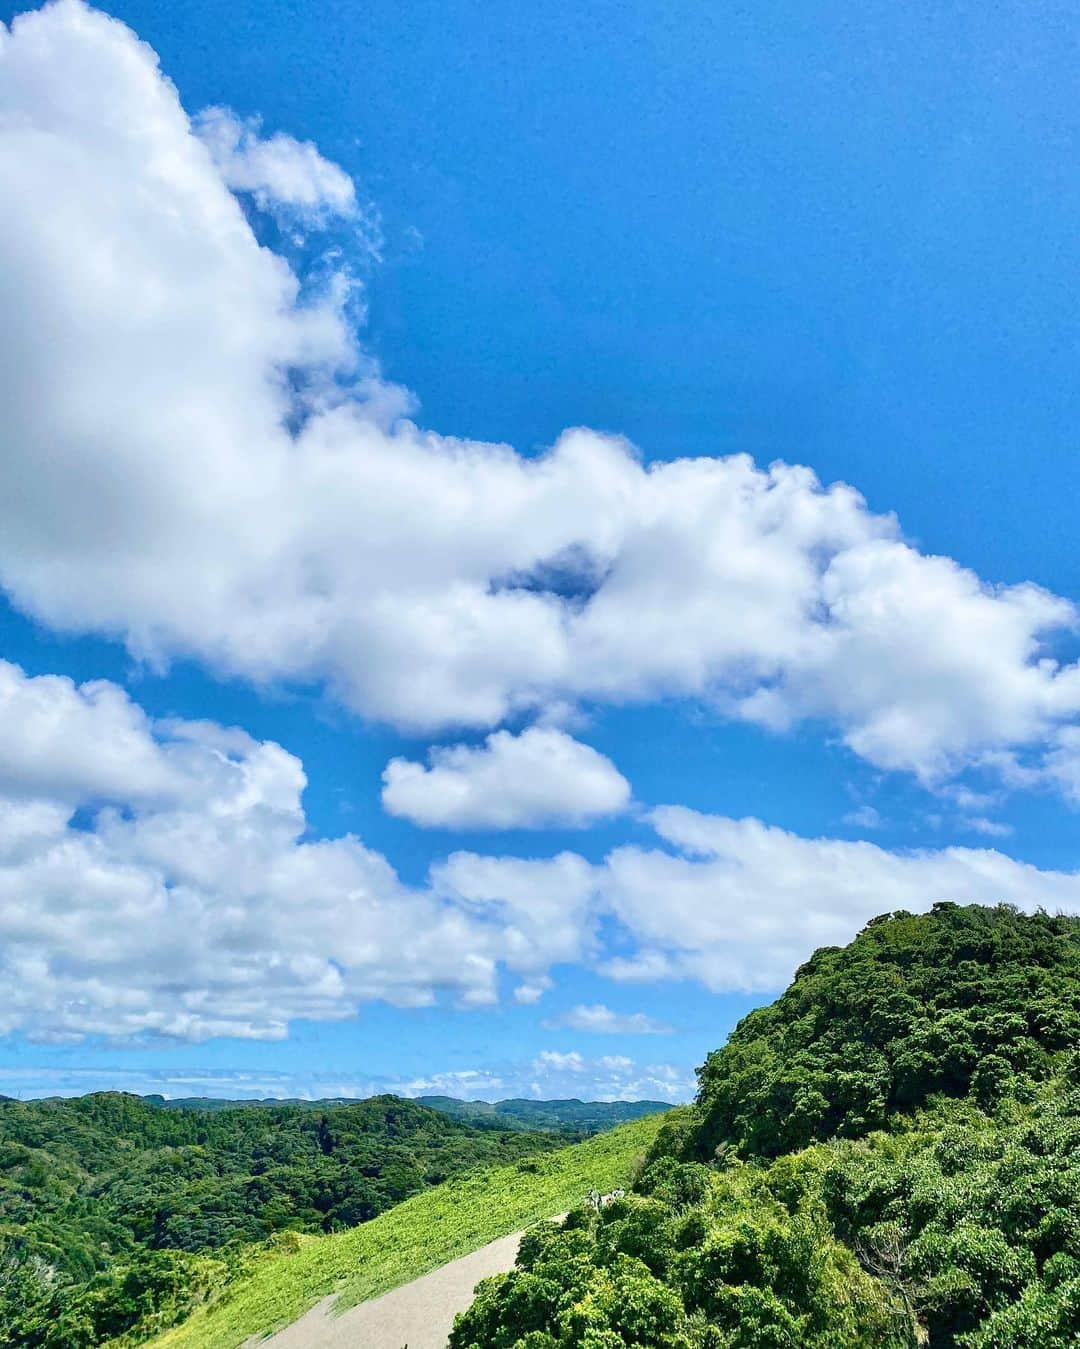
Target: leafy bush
<point x="696" y="1261"/>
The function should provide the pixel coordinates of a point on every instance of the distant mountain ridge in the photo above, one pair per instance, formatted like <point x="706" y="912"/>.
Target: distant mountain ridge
<point x="523" y="1113"/>
<point x="520" y="1113"/>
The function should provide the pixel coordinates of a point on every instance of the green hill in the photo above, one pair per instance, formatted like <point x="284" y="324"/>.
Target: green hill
<point x="887" y="1157"/>
<point x="419" y="1235"/>
<point x="117" y="1212"/>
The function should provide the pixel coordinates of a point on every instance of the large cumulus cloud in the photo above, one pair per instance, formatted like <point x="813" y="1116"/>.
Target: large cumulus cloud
<point x="198" y="459"/>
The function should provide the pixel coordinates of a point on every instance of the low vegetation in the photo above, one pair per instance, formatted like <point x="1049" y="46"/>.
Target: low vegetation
<point x="887" y="1157"/>
<point x="412" y="1238"/>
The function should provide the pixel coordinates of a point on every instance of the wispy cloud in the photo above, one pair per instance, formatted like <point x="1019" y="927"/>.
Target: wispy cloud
<point x="864" y="817"/>
<point x="601" y="1020"/>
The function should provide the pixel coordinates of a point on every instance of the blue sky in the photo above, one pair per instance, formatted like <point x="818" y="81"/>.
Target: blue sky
<point x="844" y="241"/>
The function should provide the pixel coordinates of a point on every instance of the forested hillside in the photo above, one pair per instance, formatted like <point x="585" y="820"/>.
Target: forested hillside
<point x="116" y="1213"/>
<point x="572" y="1117"/>
<point x="888" y="1156"/>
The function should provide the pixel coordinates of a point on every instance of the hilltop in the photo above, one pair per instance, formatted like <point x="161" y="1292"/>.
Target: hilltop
<point x="569" y="1116"/>
<point x="888" y="1156"/>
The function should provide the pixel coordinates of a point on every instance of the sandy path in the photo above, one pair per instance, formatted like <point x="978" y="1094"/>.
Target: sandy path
<point x="418" y="1314"/>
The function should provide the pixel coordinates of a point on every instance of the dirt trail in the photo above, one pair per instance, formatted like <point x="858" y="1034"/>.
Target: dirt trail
<point x="418" y="1314"/>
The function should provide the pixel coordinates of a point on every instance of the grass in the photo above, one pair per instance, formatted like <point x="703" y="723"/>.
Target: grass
<point x="414" y="1237"/>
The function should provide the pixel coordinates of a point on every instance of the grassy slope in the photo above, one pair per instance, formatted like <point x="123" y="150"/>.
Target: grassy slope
<point x="414" y="1237"/>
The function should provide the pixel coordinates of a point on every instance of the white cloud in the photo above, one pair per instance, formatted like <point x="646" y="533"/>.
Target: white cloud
<point x="542" y="776"/>
<point x="600" y="1020"/>
<point x="611" y="1077"/>
<point x="743" y="904"/>
<point x="185" y="465"/>
<point x="546" y="910"/>
<point x="532" y="990"/>
<point x="991" y="828"/>
<point x="156" y="879"/>
<point x="192" y="904"/>
<point x="553" y="1075"/>
<point x="864" y="817"/>
<point x="1063" y="763"/>
<point x="74" y="743"/>
<point x="646" y="966"/>
<point x="739" y="905"/>
<point x="277" y="170"/>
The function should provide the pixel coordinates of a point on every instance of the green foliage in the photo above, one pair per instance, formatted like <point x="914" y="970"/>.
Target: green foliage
<point x="121" y="1305"/>
<point x="573" y="1118"/>
<point x="414" y="1237"/>
<point x="561" y="1296"/>
<point x="695" y="1260"/>
<point x="976" y="1217"/>
<point x="915" y="1006"/>
<point x="888" y="1156"/>
<point x="118" y="1216"/>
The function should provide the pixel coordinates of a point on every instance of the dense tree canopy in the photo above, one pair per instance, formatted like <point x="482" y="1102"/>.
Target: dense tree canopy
<point x="572" y="1118"/>
<point x="888" y="1156"/>
<point x="916" y="1005"/>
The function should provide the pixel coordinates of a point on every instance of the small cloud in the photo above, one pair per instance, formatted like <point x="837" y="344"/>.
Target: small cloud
<point x="967" y="799"/>
<point x="287" y="177"/>
<point x="542" y="776"/>
<point x="991" y="828"/>
<point x="641" y="968"/>
<point x="548" y="1059"/>
<point x="531" y="991"/>
<point x="865" y="817"/>
<point x="601" y="1020"/>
